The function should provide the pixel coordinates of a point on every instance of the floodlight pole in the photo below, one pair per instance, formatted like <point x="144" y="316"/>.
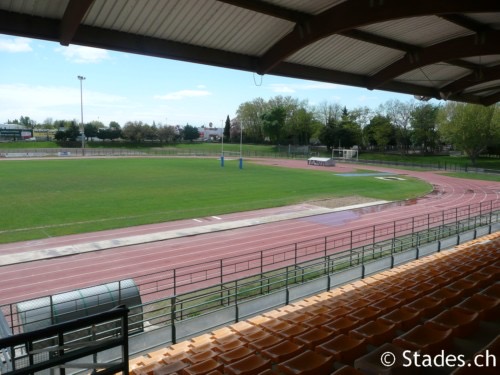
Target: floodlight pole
<point x="81" y="78"/>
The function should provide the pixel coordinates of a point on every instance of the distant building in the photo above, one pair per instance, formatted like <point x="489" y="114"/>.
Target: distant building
<point x="210" y="134"/>
<point x="14" y="132"/>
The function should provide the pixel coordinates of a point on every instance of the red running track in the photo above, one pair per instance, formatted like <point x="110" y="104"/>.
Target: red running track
<point x="40" y="278"/>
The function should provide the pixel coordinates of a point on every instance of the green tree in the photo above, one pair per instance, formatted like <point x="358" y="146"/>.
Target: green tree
<point x="273" y="123"/>
<point x="72" y="131"/>
<point x="133" y="131"/>
<point x="400" y="114"/>
<point x="26" y="121"/>
<point x="166" y="134"/>
<point x="227" y="129"/>
<point x="470" y="127"/>
<point x="423" y="121"/>
<point x="190" y="133"/>
<point x="380" y="132"/>
<point x="302" y="126"/>
<point x="91" y="129"/>
<point x="350" y="133"/>
<point x="329" y="134"/>
<point x="249" y="117"/>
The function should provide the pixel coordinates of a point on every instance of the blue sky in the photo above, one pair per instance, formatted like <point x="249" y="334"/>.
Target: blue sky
<point x="39" y="79"/>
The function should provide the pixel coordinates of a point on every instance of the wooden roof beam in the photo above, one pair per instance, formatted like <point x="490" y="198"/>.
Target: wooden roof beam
<point x="355" y="13"/>
<point x="72" y="18"/>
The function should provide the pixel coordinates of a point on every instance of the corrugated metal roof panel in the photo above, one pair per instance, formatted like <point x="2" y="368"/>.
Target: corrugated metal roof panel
<point x="211" y="23"/>
<point x="51" y="9"/>
<point x="436" y="75"/>
<point x="490" y="60"/>
<point x="487" y="88"/>
<point x="312" y="7"/>
<point x="418" y="31"/>
<point x="347" y="55"/>
<point x="490" y="19"/>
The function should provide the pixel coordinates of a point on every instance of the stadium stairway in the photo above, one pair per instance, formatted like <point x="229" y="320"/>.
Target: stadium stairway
<point x="448" y="303"/>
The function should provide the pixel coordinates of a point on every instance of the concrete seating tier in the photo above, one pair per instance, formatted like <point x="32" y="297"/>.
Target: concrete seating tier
<point x="447" y="301"/>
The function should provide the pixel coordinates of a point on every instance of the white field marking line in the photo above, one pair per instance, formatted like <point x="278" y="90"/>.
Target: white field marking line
<point x="198" y="220"/>
<point x="217" y="218"/>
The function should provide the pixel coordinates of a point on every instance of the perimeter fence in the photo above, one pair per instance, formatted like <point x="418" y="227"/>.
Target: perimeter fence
<point x="282" y="152"/>
<point x="174" y="295"/>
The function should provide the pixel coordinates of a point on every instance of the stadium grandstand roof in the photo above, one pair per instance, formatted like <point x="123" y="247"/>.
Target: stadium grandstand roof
<point x="447" y="49"/>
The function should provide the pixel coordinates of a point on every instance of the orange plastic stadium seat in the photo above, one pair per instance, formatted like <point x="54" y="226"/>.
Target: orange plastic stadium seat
<point x="492" y="291"/>
<point x="307" y="363"/>
<point x="343" y="348"/>
<point x="170" y="368"/>
<point x="202" y="347"/>
<point x="427" y="306"/>
<point x="365" y="314"/>
<point x="244" y="328"/>
<point x="146" y="369"/>
<point x="342" y="324"/>
<point x="292" y="331"/>
<point x="337" y="312"/>
<point x="462" y="322"/>
<point x="317" y="321"/>
<point x="487" y="307"/>
<point x="251" y="365"/>
<point x="265" y="342"/>
<point x="448" y="296"/>
<point x="275" y="325"/>
<point x="202" y="356"/>
<point x="403" y="318"/>
<point x="282" y="351"/>
<point x="492" y="269"/>
<point x="386" y="304"/>
<point x="358" y="303"/>
<point x="223" y="335"/>
<point x="229" y="345"/>
<point x="423" y="289"/>
<point x="203" y="368"/>
<point x="235" y="354"/>
<point x="470" y="368"/>
<point x="372" y="363"/>
<point x="347" y="370"/>
<point x="406" y="295"/>
<point x="295" y="317"/>
<point x="375" y="332"/>
<point x="466" y="287"/>
<point x="316" y="310"/>
<point x="482" y="279"/>
<point x="257" y="335"/>
<point x="425" y="339"/>
<point x="313" y="337"/>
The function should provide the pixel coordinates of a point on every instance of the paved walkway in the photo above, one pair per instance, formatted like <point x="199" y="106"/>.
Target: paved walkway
<point x="54" y="252"/>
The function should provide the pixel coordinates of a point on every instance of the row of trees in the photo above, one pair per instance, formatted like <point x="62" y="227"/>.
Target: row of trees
<point x="395" y="125"/>
<point x="134" y="131"/>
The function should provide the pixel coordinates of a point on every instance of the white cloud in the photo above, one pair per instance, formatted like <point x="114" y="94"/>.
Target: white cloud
<point x="183" y="94"/>
<point x="57" y="102"/>
<point x="14" y="45"/>
<point x="83" y="55"/>
<point x="282" y="88"/>
<point x="294" y="87"/>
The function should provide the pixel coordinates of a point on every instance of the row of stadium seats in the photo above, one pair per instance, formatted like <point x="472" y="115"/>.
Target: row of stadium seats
<point x="425" y="306"/>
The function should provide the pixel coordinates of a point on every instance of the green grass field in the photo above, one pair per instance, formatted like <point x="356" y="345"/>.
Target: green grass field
<point x="41" y="198"/>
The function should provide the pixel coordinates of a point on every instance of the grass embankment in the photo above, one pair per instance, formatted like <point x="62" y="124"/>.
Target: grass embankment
<point x="42" y="198"/>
